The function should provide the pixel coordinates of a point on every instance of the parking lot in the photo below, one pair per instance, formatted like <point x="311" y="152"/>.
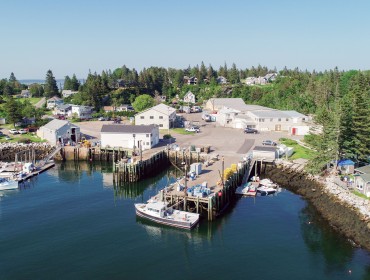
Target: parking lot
<point x="228" y="142"/>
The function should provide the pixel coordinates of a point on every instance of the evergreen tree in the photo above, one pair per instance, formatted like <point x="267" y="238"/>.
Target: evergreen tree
<point x="233" y="75"/>
<point x="51" y="87"/>
<point x="75" y="84"/>
<point x="361" y="119"/>
<point x="13" y="110"/>
<point x="67" y="83"/>
<point x="12" y="78"/>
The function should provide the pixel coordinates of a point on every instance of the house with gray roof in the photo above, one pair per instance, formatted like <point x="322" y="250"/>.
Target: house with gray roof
<point x="62" y="110"/>
<point x="133" y="137"/>
<point x="362" y="180"/>
<point x="276" y="120"/>
<point x="161" y="115"/>
<point x="25" y="93"/>
<point x="59" y="131"/>
<point x="53" y="101"/>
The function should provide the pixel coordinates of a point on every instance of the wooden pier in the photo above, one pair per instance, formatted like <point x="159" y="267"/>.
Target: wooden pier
<point x="217" y="202"/>
<point x="125" y="172"/>
<point x="36" y="172"/>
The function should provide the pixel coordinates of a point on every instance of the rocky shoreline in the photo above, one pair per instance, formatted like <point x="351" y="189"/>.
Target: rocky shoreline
<point x="8" y="150"/>
<point x="348" y="213"/>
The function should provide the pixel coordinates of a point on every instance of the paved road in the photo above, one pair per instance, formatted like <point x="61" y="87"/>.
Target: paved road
<point x="40" y="103"/>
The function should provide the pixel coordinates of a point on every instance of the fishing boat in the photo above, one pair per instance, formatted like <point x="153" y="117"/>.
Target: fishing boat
<point x="268" y="183"/>
<point x="8" y="184"/>
<point x="157" y="211"/>
<point x="266" y="190"/>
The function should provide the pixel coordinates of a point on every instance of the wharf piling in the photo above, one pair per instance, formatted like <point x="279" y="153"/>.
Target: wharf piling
<point x="125" y="172"/>
<point x="215" y="204"/>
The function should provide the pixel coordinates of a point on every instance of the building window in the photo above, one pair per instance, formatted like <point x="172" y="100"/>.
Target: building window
<point x="271" y="119"/>
<point x="151" y="117"/>
<point x="287" y="119"/>
<point x="161" y="117"/>
<point x="303" y="119"/>
<point x="279" y="119"/>
<point x="147" y="143"/>
<point x="262" y="120"/>
<point x="161" y="125"/>
<point x="142" y="117"/>
<point x="147" y="135"/>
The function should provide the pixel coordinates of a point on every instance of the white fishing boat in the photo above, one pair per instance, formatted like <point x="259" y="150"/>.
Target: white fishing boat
<point x="157" y="211"/>
<point x="268" y="183"/>
<point x="266" y="190"/>
<point x="7" y="184"/>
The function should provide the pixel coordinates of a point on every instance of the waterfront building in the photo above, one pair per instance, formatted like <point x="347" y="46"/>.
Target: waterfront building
<point x="59" y="131"/>
<point x="129" y="136"/>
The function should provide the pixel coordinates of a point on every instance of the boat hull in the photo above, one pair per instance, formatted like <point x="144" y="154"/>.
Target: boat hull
<point x="8" y="185"/>
<point x="168" y="222"/>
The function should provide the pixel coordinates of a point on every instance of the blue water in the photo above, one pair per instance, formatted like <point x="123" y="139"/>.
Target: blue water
<point x="71" y="223"/>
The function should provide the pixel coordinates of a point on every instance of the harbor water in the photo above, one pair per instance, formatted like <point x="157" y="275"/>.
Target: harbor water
<point x="72" y="223"/>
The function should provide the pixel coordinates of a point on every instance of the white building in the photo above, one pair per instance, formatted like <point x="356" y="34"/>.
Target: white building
<point x="54" y="101"/>
<point x="129" y="136"/>
<point x="62" y="110"/>
<point x="189" y="97"/>
<point x="161" y="115"/>
<point x="59" y="131"/>
<point x="68" y="93"/>
<point x="82" y="112"/>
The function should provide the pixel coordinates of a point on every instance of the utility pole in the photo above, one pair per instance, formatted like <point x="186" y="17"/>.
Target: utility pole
<point x="223" y="166"/>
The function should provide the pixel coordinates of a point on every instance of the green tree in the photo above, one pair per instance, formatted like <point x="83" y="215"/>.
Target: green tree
<point x="143" y="102"/>
<point x="13" y="110"/>
<point x="51" y="87"/>
<point x="75" y="84"/>
<point x="36" y="90"/>
<point x="67" y="83"/>
<point x="361" y="119"/>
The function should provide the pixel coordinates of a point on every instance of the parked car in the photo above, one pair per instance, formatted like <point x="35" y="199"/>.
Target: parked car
<point x="13" y="131"/>
<point x="7" y="138"/>
<point x="102" y="119"/>
<point x="192" y="129"/>
<point x="269" y="143"/>
<point x="22" y="131"/>
<point x="250" y="130"/>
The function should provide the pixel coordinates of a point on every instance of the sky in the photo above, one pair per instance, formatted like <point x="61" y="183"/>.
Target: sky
<point x="78" y="36"/>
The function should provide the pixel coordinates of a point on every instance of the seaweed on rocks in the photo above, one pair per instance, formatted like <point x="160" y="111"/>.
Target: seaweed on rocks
<point x="345" y="218"/>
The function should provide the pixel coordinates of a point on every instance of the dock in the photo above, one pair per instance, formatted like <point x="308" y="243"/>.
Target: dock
<point x="36" y="172"/>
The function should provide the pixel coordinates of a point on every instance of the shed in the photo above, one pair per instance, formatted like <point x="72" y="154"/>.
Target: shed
<point x="196" y="168"/>
<point x="346" y="166"/>
<point x="265" y="153"/>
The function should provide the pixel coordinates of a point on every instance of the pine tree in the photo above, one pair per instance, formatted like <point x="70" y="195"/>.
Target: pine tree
<point x="361" y="119"/>
<point x="75" y="84"/>
<point x="51" y="87"/>
<point x="67" y="83"/>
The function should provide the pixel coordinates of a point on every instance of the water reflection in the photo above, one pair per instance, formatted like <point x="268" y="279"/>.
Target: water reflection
<point x="151" y="185"/>
<point x="321" y="238"/>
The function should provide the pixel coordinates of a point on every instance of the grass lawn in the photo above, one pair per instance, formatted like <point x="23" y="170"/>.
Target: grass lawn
<point x="360" y="194"/>
<point x="15" y="138"/>
<point x="299" y="151"/>
<point x="33" y="100"/>
<point x="181" y="131"/>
